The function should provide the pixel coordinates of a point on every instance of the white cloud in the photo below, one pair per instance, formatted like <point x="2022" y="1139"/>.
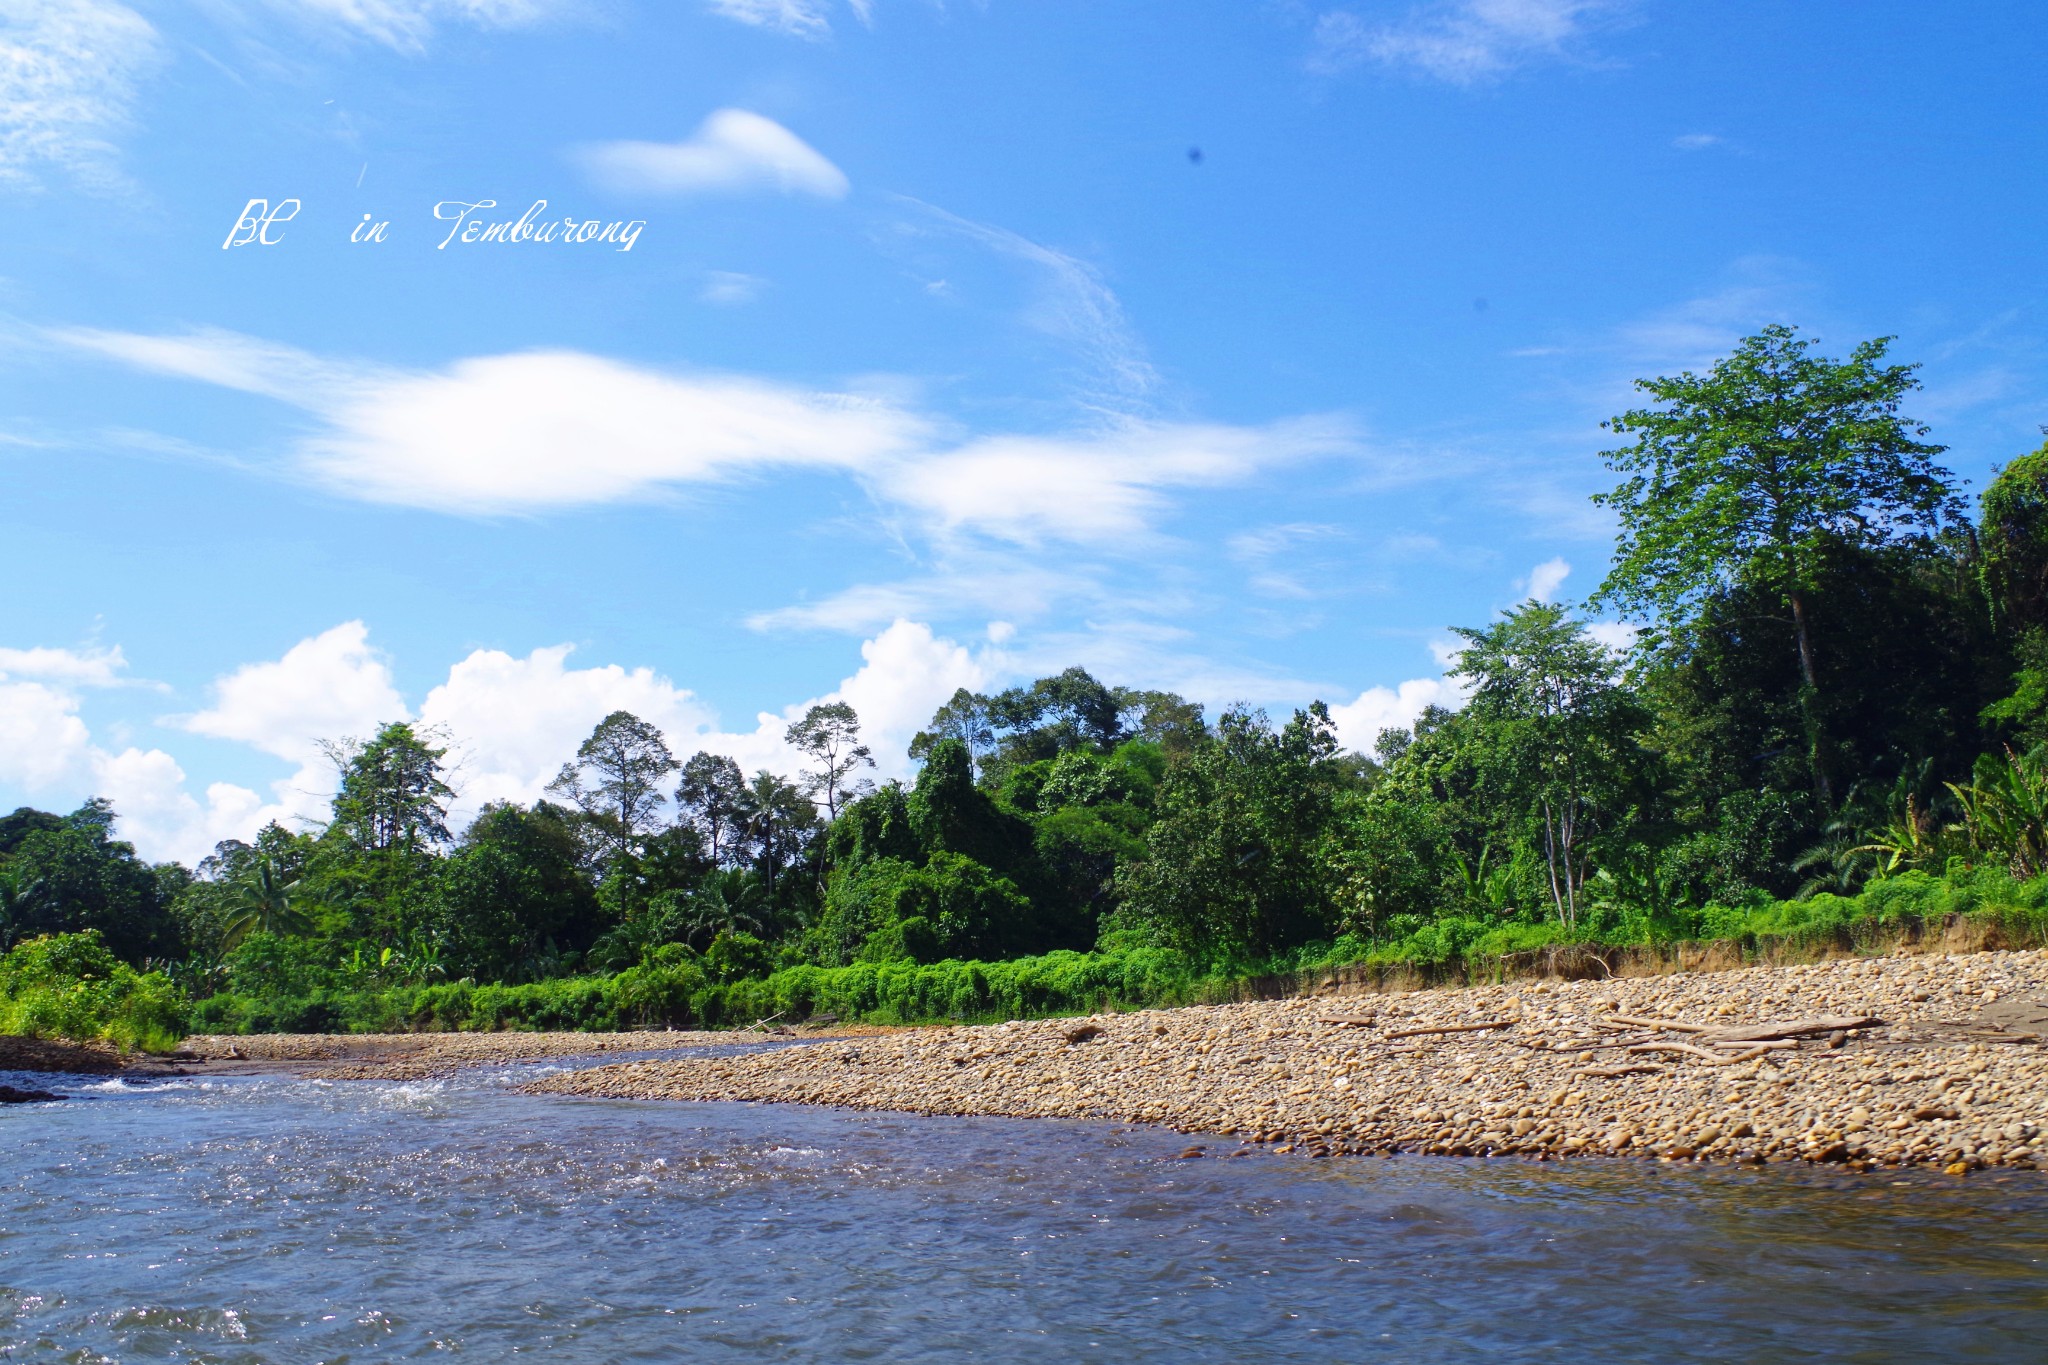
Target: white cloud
<point x="487" y="435"/>
<point x="1110" y="487"/>
<point x="329" y="686"/>
<point x="89" y="667"/>
<point x="68" y="71"/>
<point x="512" y="722"/>
<point x="1072" y="304"/>
<point x="1546" y="578"/>
<point x="728" y="288"/>
<point x="407" y="24"/>
<point x="1260" y="549"/>
<point x="1461" y="42"/>
<point x="798" y="18"/>
<point x="1694" y="142"/>
<point x="732" y="152"/>
<point x="42" y="740"/>
<point x="1360" y="721"/>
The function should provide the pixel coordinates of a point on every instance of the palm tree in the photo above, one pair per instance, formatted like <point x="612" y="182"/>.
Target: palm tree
<point x="266" y="902"/>
<point x="17" y="900"/>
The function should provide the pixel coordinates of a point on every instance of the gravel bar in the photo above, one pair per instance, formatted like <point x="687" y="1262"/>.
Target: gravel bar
<point x="1913" y="1060"/>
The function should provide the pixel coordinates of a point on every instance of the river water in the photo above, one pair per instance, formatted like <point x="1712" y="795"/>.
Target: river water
<point x="275" y="1219"/>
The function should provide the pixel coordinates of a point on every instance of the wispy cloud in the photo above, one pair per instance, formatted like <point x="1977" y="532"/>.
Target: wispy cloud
<point x="729" y="288"/>
<point x="797" y="18"/>
<point x="68" y="74"/>
<point x="1462" y="42"/>
<point x="484" y="435"/>
<point x="1698" y="142"/>
<point x="732" y="152"/>
<point x="407" y="25"/>
<point x="1072" y="304"/>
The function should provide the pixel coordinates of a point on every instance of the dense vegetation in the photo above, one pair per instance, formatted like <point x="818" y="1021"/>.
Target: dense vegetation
<point x="1834" y="709"/>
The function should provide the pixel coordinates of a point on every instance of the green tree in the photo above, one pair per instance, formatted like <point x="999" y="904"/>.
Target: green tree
<point x="1236" y="862"/>
<point x="1753" y="472"/>
<point x="712" y="797"/>
<point x="1558" y="732"/>
<point x="829" y="735"/>
<point x="392" y="798"/>
<point x="73" y="875"/>
<point x="966" y="717"/>
<point x="266" y="899"/>
<point x="616" y="780"/>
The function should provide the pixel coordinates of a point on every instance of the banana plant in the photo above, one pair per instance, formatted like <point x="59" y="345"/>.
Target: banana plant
<point x="2005" y="810"/>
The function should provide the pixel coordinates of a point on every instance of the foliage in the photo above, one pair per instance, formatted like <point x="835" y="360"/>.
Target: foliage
<point x="73" y="986"/>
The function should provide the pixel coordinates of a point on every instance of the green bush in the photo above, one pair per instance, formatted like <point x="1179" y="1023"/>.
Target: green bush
<point x="71" y="986"/>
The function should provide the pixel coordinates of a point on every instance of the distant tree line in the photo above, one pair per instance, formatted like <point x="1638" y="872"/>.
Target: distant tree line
<point x="1836" y="676"/>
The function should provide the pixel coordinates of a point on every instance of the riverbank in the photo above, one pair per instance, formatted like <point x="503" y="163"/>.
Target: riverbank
<point x="1882" y="1061"/>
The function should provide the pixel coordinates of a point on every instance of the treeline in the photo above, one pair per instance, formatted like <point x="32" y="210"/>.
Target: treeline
<point x="1835" y="680"/>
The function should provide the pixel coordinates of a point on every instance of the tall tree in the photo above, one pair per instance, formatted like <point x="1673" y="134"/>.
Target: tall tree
<point x="392" y="797"/>
<point x="1555" y="728"/>
<point x="1752" y="472"/>
<point x="779" y="821"/>
<point x="712" y="796"/>
<point x="829" y="735"/>
<point x="966" y="717"/>
<point x="617" y="778"/>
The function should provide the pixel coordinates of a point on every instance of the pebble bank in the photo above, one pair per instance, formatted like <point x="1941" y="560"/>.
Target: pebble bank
<point x="1874" y="1062"/>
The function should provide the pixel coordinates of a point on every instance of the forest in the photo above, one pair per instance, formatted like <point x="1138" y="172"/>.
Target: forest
<point x="1830" y="703"/>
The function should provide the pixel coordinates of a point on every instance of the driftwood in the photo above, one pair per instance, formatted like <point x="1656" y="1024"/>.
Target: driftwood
<point x="1672" y="1024"/>
<point x="1452" y="1028"/>
<point x="1625" y="1069"/>
<point x="1346" y="1021"/>
<point x="1710" y="1058"/>
<point x="1792" y="1028"/>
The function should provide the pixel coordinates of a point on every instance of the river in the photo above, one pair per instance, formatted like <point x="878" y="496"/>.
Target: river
<point x="273" y="1219"/>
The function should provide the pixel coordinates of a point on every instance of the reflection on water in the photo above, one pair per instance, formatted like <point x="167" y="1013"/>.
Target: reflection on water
<point x="270" y="1219"/>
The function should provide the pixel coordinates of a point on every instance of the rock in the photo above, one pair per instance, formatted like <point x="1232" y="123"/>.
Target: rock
<point x="13" y="1095"/>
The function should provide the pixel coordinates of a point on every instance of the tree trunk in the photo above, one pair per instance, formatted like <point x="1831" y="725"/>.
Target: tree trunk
<point x="1809" y="703"/>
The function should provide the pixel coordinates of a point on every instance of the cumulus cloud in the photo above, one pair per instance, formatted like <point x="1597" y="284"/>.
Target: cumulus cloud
<point x="732" y="152"/>
<point x="1360" y="720"/>
<point x="509" y="722"/>
<point x="1461" y="42"/>
<point x="68" y="75"/>
<point x="1546" y="578"/>
<point x="329" y="686"/>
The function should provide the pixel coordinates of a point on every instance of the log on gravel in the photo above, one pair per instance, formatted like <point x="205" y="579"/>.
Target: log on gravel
<point x="1792" y="1028"/>
<point x="1452" y="1028"/>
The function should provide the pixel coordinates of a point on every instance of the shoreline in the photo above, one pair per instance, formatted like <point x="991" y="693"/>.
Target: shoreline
<point x="1929" y="1061"/>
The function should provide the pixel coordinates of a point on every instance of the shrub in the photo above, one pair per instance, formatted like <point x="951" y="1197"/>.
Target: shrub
<point x="72" y="986"/>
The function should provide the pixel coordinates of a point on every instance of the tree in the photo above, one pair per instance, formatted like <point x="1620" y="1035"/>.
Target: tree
<point x="829" y="734"/>
<point x="1555" y="728"/>
<point x="391" y="798"/>
<point x="713" y="797"/>
<point x="616" y="780"/>
<point x="2012" y="532"/>
<point x="777" y="826"/>
<point x="966" y="717"/>
<point x="266" y="900"/>
<point x="72" y="875"/>
<point x="1752" y="473"/>
<point x="1234" y="866"/>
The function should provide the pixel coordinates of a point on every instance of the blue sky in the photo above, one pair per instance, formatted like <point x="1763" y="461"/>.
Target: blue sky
<point x="1234" y="349"/>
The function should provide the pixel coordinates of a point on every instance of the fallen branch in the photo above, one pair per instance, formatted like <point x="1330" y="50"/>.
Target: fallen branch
<point x="1671" y="1024"/>
<point x="1710" y="1058"/>
<point x="1346" y="1021"/>
<point x="1792" y="1028"/>
<point x="1625" y="1069"/>
<point x="1452" y="1028"/>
